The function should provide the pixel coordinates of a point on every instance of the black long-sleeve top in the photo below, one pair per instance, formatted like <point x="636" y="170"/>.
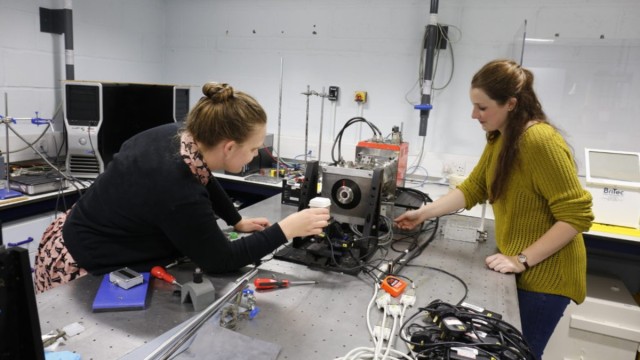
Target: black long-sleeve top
<point x="148" y="209"/>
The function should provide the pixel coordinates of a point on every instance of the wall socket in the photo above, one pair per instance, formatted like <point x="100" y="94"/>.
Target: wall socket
<point x="453" y="168"/>
<point x="46" y="145"/>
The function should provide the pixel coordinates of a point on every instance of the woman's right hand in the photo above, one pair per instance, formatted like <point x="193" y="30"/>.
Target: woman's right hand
<point x="409" y="219"/>
<point x="306" y="222"/>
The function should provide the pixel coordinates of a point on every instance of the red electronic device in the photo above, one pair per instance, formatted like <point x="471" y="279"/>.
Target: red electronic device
<point x="389" y="150"/>
<point x="393" y="285"/>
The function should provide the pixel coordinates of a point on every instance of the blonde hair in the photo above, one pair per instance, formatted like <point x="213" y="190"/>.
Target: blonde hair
<point x="223" y="114"/>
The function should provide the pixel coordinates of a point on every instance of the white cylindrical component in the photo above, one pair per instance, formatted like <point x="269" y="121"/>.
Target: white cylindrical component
<point x="320" y="202"/>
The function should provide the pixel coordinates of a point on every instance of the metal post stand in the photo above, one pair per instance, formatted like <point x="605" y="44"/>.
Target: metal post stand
<point x="6" y="192"/>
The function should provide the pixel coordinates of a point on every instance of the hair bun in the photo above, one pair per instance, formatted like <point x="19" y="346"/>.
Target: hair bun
<point x="217" y="92"/>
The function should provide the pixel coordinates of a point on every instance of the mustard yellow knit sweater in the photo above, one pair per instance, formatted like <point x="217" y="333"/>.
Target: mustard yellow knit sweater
<point x="543" y="189"/>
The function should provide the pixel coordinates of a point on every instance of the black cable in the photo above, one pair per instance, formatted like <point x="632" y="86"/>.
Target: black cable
<point x="412" y="245"/>
<point x="426" y="226"/>
<point x="338" y="140"/>
<point x="368" y="272"/>
<point x="424" y="245"/>
<point x="424" y="196"/>
<point x="450" y="345"/>
<point x="353" y="256"/>
<point x="366" y="255"/>
<point x="436" y="342"/>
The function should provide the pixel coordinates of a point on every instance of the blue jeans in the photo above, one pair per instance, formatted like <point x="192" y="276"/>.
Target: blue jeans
<point x="539" y="314"/>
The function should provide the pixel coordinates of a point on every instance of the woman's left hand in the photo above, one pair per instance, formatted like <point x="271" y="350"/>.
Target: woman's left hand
<point x="251" y="225"/>
<point x="504" y="264"/>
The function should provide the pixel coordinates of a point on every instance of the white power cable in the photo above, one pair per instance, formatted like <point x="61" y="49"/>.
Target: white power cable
<point x="369" y="307"/>
<point x="378" y="347"/>
<point x="391" y="337"/>
<point x="360" y="353"/>
<point x="375" y="352"/>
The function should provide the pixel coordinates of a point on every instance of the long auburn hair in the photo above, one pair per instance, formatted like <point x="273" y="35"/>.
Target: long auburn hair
<point x="502" y="80"/>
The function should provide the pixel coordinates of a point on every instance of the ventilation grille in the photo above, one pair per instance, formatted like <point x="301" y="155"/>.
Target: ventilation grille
<point x="79" y="165"/>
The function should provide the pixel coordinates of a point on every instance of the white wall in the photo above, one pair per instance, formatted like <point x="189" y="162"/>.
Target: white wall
<point x="113" y="40"/>
<point x="371" y="45"/>
<point x="375" y="46"/>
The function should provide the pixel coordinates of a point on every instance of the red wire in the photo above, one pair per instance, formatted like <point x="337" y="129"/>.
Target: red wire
<point x="273" y="157"/>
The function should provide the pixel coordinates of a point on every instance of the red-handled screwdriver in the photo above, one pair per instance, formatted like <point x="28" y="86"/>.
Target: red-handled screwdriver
<point x="162" y="274"/>
<point x="267" y="283"/>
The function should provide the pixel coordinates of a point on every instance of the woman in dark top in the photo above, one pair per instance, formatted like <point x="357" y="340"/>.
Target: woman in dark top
<point x="157" y="200"/>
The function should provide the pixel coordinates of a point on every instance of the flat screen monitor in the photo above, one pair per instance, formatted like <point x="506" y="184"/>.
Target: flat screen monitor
<point x="613" y="168"/>
<point x="82" y="104"/>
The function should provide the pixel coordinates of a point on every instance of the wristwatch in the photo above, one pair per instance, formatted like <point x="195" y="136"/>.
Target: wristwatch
<point x="522" y="258"/>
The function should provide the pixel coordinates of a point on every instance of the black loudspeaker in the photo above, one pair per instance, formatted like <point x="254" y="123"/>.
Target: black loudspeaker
<point x="20" y="336"/>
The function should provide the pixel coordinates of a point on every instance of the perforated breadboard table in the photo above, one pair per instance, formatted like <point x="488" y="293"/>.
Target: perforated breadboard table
<point x="327" y="320"/>
<point x="321" y="321"/>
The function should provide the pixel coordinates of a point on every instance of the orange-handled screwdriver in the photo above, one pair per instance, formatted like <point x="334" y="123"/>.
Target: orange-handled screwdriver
<point x="162" y="274"/>
<point x="267" y="283"/>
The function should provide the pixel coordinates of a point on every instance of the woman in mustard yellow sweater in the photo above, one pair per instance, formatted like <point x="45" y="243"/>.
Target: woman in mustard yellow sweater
<point x="528" y="174"/>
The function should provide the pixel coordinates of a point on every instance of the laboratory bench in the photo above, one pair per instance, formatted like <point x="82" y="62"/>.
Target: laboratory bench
<point x="20" y="207"/>
<point x="319" y="315"/>
<point x="246" y="192"/>
<point x="321" y="321"/>
<point x="607" y="324"/>
<point x="24" y="219"/>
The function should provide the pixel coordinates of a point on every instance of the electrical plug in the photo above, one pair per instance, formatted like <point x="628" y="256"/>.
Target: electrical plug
<point x="381" y="332"/>
<point x="383" y="300"/>
<point x="394" y="310"/>
<point x="408" y="298"/>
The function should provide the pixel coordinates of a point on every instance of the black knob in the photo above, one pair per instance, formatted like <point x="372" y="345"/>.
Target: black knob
<point x="197" y="276"/>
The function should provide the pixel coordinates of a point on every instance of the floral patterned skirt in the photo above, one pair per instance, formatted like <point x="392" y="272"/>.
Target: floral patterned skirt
<point x="54" y="265"/>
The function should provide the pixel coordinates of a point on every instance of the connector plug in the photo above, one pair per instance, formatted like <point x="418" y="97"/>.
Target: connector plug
<point x="407" y="300"/>
<point x="394" y="310"/>
<point x="383" y="300"/>
<point x="381" y="332"/>
<point x="453" y="328"/>
<point x="480" y="310"/>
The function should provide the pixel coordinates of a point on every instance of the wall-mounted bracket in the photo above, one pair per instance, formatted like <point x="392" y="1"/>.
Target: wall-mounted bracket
<point x="52" y="20"/>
